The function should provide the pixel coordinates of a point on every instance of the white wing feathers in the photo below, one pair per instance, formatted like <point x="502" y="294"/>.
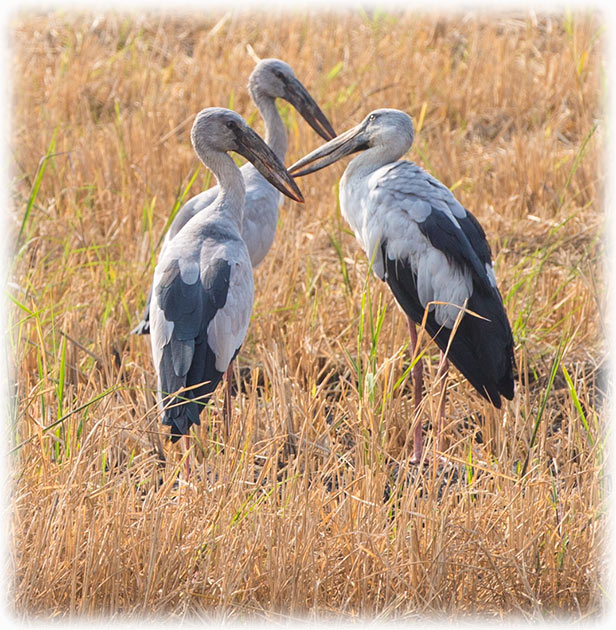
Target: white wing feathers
<point x="228" y="328"/>
<point x="393" y="205"/>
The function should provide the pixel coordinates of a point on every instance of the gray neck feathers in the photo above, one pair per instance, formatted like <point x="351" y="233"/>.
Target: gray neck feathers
<point x="275" y="132"/>
<point x="229" y="204"/>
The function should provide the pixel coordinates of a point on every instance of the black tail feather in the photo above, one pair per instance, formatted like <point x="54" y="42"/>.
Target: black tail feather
<point x="482" y="349"/>
<point x="182" y="411"/>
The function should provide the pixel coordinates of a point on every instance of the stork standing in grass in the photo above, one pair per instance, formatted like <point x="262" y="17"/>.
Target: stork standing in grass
<point x="271" y="79"/>
<point x="202" y="293"/>
<point x="432" y="253"/>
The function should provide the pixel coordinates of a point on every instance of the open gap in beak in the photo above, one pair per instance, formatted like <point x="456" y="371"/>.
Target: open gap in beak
<point x="332" y="151"/>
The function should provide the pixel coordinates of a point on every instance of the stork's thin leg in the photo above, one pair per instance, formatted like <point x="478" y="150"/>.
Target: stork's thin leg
<point x="227" y="407"/>
<point x="417" y="374"/>
<point x="441" y="375"/>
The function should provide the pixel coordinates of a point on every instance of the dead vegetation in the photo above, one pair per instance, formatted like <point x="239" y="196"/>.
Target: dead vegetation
<point x="311" y="507"/>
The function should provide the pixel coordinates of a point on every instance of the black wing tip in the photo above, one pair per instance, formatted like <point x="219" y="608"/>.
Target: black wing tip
<point x="180" y="417"/>
<point x="174" y="434"/>
<point x="142" y="328"/>
<point x="505" y="388"/>
<point x="495" y="399"/>
<point x="506" y="384"/>
<point x="180" y="425"/>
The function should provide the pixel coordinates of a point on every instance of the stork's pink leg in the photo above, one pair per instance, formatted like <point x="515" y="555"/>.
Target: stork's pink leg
<point x="227" y="407"/>
<point x="441" y="375"/>
<point x="417" y="374"/>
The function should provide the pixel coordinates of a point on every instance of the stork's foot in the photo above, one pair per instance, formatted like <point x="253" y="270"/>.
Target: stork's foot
<point x="426" y="460"/>
<point x="416" y="461"/>
<point x="182" y="484"/>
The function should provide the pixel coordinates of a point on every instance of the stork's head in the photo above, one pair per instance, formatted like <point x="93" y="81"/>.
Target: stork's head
<point x="273" y="78"/>
<point x="217" y="130"/>
<point x="388" y="130"/>
<point x="386" y="127"/>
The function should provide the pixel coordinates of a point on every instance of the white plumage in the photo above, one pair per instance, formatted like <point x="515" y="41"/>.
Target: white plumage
<point x="202" y="293"/>
<point x="429" y="249"/>
<point x="271" y="79"/>
<point x="228" y="328"/>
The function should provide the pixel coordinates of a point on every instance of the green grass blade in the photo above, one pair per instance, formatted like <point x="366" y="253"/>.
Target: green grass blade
<point x="335" y="70"/>
<point x="576" y="163"/>
<point x="469" y="468"/>
<point x="61" y="377"/>
<point x="22" y="306"/>
<point x="577" y="404"/>
<point x="37" y="183"/>
<point x="65" y="417"/>
<point x="337" y="245"/>
<point x="557" y="359"/>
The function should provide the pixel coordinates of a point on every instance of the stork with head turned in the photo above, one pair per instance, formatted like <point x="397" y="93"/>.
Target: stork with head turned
<point x="271" y="79"/>
<point x="202" y="293"/>
<point x="431" y="251"/>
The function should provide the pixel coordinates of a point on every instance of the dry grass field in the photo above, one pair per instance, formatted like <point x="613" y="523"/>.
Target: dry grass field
<point x="310" y="507"/>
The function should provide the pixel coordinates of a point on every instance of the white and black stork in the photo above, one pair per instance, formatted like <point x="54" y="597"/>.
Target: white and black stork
<point x="430" y="250"/>
<point x="202" y="293"/>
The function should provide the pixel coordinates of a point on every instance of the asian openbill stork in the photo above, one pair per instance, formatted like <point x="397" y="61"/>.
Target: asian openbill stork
<point x="202" y="293"/>
<point x="271" y="79"/>
<point x="431" y="252"/>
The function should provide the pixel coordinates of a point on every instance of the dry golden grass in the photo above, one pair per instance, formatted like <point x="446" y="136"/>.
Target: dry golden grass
<point x="312" y="506"/>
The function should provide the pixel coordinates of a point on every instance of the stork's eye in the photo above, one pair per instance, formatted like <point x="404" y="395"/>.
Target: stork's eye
<point x="279" y="74"/>
<point x="231" y="124"/>
<point x="372" y="118"/>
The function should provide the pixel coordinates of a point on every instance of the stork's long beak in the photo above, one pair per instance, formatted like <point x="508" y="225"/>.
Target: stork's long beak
<point x="254" y="149"/>
<point x="349" y="142"/>
<point x="300" y="98"/>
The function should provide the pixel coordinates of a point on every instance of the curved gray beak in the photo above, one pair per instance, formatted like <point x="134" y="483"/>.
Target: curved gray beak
<point x="254" y="149"/>
<point x="349" y="142"/>
<point x="300" y="98"/>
